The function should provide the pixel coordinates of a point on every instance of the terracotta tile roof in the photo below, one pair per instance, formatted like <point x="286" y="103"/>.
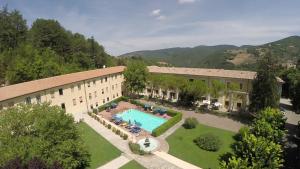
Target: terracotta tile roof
<point x="20" y="89"/>
<point x="238" y="74"/>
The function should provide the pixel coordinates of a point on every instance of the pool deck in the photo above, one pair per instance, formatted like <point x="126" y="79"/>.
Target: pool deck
<point x="122" y="106"/>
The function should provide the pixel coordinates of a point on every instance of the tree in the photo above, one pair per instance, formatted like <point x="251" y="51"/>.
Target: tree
<point x="216" y="88"/>
<point x="235" y="163"/>
<point x="49" y="33"/>
<point x="260" y="144"/>
<point x="13" y="29"/>
<point x="192" y="92"/>
<point x="135" y="76"/>
<point x="38" y="130"/>
<point x="296" y="97"/>
<point x="265" y="92"/>
<point x="259" y="151"/>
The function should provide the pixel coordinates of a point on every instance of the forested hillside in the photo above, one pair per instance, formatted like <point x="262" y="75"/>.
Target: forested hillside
<point x="223" y="56"/>
<point x="44" y="49"/>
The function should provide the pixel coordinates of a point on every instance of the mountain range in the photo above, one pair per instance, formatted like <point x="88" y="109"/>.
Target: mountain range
<point x="221" y="56"/>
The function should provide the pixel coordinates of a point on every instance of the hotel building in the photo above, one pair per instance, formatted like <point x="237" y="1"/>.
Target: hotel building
<point x="76" y="92"/>
<point x="237" y="100"/>
<point x="83" y="91"/>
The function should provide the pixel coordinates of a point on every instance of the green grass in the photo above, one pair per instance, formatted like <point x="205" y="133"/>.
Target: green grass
<point x="132" y="165"/>
<point x="182" y="146"/>
<point x="100" y="149"/>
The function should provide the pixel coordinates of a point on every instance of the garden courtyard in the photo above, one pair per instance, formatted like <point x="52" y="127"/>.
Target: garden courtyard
<point x="100" y="149"/>
<point x="182" y="145"/>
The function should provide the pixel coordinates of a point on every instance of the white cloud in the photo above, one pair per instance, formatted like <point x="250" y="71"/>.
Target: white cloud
<point x="186" y="1"/>
<point x="155" y="12"/>
<point x="161" y="17"/>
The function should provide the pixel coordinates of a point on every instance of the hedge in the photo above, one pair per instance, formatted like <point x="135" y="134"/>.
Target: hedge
<point x="103" y="107"/>
<point x="176" y="117"/>
<point x="135" y="102"/>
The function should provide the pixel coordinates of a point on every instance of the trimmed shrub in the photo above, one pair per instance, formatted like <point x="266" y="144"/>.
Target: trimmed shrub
<point x="136" y="149"/>
<point x="118" y="132"/>
<point x="190" y="123"/>
<point x="114" y="129"/>
<point x="109" y="126"/>
<point x="95" y="111"/>
<point x="103" y="107"/>
<point x="177" y="116"/>
<point x="208" y="142"/>
<point x="125" y="136"/>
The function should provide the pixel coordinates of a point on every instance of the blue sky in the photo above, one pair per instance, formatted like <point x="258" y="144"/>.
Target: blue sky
<point x="127" y="25"/>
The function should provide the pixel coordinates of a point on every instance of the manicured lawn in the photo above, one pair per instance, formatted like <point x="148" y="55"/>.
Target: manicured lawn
<point x="100" y="149"/>
<point x="132" y="165"/>
<point x="182" y="146"/>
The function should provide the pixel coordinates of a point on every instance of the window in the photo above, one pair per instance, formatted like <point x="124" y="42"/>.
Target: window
<point x="101" y="80"/>
<point x="74" y="102"/>
<point x="88" y="84"/>
<point x="148" y="90"/>
<point x="38" y="98"/>
<point x="226" y="103"/>
<point x="112" y="87"/>
<point x="72" y="88"/>
<point x="107" y="99"/>
<point x="156" y="91"/>
<point x="96" y="104"/>
<point x="52" y="94"/>
<point x="105" y="79"/>
<point x="117" y="95"/>
<point x="90" y="96"/>
<point x="241" y="86"/>
<point x="80" y="99"/>
<point x="28" y="100"/>
<point x="94" y="82"/>
<point x="103" y="101"/>
<point x="102" y="91"/>
<point x="113" y="96"/>
<point x="61" y="92"/>
<point x="92" y="107"/>
<point x="239" y="105"/>
<point x="11" y="104"/>
<point x="63" y="106"/>
<point x="79" y="86"/>
<point x="115" y="76"/>
<point x="95" y="93"/>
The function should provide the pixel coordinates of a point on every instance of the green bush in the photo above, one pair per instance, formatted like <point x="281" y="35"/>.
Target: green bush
<point x="95" y="111"/>
<point x="125" y="136"/>
<point x="109" y="126"/>
<point x="103" y="107"/>
<point x="118" y="132"/>
<point x="135" y="102"/>
<point x="208" y="142"/>
<point x="136" y="149"/>
<point x="190" y="123"/>
<point x="177" y="116"/>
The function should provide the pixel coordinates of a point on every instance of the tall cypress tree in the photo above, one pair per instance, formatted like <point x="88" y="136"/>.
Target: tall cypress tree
<point x="265" y="91"/>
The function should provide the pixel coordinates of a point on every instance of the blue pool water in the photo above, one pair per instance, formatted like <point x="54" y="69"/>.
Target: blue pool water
<point x="146" y="121"/>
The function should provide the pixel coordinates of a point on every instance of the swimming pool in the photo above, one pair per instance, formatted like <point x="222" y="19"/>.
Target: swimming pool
<point x="146" y="121"/>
